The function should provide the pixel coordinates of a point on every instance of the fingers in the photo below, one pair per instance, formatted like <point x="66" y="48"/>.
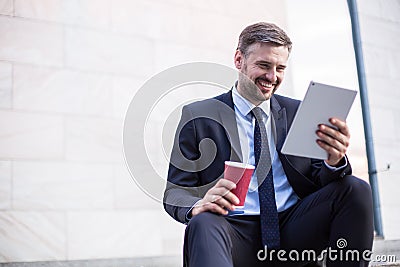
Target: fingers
<point x="226" y="183"/>
<point x="334" y="141"/>
<point x="221" y="194"/>
<point x="341" y="125"/>
<point x="212" y="207"/>
<point x="341" y="134"/>
<point x="224" y="197"/>
<point x="334" y="155"/>
<point x="219" y="199"/>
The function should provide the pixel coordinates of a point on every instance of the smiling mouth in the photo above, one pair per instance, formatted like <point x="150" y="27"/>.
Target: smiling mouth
<point x="266" y="86"/>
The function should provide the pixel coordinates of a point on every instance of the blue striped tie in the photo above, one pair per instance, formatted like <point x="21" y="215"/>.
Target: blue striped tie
<point x="268" y="212"/>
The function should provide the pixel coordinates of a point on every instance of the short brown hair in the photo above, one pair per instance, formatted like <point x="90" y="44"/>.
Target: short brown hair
<point x="263" y="32"/>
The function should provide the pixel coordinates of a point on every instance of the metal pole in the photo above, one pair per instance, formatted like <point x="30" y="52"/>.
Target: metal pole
<point x="373" y="179"/>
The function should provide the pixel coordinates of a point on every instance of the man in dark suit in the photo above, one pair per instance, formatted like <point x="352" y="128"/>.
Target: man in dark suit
<point x="294" y="204"/>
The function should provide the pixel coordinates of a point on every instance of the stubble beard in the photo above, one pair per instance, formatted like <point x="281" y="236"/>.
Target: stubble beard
<point x="250" y="91"/>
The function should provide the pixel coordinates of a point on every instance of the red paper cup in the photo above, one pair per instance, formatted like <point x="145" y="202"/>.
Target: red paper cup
<point x="240" y="174"/>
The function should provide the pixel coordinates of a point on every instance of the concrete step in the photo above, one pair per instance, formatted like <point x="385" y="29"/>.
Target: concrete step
<point x="166" y="261"/>
<point x="385" y="264"/>
<point x="385" y="248"/>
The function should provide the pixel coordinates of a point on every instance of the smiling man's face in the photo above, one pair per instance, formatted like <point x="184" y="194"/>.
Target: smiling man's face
<point x="264" y="66"/>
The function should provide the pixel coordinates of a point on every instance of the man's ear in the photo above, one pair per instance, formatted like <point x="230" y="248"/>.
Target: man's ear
<point x="238" y="59"/>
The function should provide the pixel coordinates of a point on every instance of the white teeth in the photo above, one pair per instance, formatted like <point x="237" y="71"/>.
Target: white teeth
<point x="266" y="84"/>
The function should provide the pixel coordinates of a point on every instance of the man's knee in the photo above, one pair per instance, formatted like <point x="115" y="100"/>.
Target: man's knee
<point x="207" y="241"/>
<point x="356" y="186"/>
<point x="208" y="231"/>
<point x="358" y="195"/>
<point x="205" y="222"/>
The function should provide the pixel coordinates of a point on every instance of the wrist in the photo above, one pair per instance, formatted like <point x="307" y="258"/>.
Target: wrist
<point x="337" y="163"/>
<point x="195" y="210"/>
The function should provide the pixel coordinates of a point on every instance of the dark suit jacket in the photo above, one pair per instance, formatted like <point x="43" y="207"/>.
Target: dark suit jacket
<point x="207" y="136"/>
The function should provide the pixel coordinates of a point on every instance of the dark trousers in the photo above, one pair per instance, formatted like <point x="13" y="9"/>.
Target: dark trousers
<point x="337" y="220"/>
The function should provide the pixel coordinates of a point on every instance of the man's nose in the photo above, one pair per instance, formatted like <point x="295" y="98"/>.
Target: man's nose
<point x="271" y="75"/>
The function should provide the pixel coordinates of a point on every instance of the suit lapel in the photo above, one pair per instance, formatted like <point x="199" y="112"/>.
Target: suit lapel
<point x="228" y="120"/>
<point x="280" y="121"/>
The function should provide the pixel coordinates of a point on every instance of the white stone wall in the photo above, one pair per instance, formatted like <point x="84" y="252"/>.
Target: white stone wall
<point x="380" y="32"/>
<point x="68" y="69"/>
<point x="324" y="52"/>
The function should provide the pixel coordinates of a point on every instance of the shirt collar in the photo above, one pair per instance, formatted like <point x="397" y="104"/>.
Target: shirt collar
<point x="244" y="106"/>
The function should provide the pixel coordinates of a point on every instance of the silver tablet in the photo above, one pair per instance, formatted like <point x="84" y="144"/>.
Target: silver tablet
<point x="320" y="103"/>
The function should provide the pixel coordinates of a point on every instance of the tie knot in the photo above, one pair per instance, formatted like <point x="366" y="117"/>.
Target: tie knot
<point x="257" y="113"/>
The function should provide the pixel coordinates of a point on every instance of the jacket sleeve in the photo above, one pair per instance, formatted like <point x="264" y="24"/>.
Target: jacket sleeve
<point x="182" y="191"/>
<point x="308" y="175"/>
<point x="324" y="175"/>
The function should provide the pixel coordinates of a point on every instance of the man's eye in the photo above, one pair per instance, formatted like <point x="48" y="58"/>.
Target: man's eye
<point x="264" y="66"/>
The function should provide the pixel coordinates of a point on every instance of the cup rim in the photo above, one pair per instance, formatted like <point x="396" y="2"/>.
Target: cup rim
<point x="239" y="165"/>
